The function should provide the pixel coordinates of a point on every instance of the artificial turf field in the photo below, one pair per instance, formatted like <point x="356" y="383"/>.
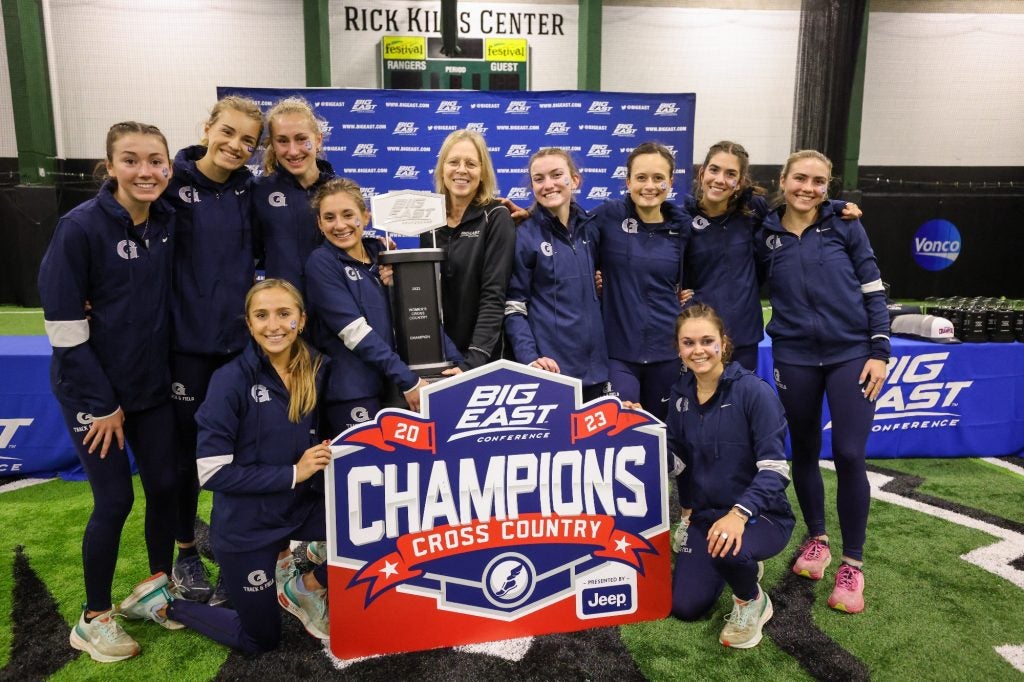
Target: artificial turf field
<point x="931" y="614"/>
<point x="945" y="591"/>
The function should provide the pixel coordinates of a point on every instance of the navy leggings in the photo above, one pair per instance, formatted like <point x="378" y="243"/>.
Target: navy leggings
<point x="746" y="356"/>
<point x="698" y="578"/>
<point x="110" y="479"/>
<point x="190" y="380"/>
<point x="801" y="389"/>
<point x="253" y="624"/>
<point x="647" y="384"/>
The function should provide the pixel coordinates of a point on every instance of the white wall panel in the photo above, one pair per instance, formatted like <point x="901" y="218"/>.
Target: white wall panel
<point x="740" y="63"/>
<point x="944" y="90"/>
<point x="160" y="62"/>
<point x="8" y="143"/>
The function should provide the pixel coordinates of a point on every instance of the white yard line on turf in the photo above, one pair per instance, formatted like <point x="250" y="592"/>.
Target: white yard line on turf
<point x="1014" y="655"/>
<point x="1003" y="465"/>
<point x="993" y="558"/>
<point x="509" y="649"/>
<point x="23" y="483"/>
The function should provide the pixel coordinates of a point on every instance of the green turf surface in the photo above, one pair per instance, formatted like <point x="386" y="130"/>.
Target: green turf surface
<point x="930" y="614"/>
<point x="993" y="489"/>
<point x="15" y="321"/>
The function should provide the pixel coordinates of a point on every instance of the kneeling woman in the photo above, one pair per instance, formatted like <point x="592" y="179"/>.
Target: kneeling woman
<point x="257" y="451"/>
<point x="728" y="428"/>
<point x="351" y="314"/>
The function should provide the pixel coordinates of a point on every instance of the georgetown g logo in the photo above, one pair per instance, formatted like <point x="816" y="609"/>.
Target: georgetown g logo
<point x="260" y="393"/>
<point x="277" y="199"/>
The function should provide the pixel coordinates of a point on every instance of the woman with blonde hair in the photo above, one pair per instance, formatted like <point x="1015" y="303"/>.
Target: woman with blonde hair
<point x="293" y="171"/>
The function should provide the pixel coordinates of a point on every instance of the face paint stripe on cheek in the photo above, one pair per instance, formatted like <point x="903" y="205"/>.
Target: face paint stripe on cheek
<point x="165" y="172"/>
<point x="294" y="324"/>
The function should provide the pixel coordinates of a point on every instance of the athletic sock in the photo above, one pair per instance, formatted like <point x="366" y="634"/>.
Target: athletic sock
<point x="185" y="552"/>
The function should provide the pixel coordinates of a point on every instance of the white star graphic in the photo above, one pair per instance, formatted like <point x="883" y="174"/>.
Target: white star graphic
<point x="621" y="544"/>
<point x="389" y="569"/>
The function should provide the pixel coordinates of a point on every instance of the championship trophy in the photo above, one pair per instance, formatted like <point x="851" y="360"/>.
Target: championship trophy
<point x="416" y="290"/>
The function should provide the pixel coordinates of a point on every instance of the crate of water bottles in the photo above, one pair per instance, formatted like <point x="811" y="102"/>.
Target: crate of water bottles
<point x="981" y="318"/>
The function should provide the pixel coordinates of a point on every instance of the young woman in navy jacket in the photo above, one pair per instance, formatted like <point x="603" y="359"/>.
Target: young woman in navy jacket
<point x="258" y="452"/>
<point x="351" y="312"/>
<point x="726" y="211"/>
<point x="552" y="312"/>
<point x="213" y="269"/>
<point x="641" y="241"/>
<point x="727" y="427"/>
<point x="110" y="365"/>
<point x="829" y="332"/>
<point x="286" y="226"/>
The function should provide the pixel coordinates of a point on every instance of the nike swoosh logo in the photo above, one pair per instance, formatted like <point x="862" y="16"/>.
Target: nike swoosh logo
<point x="726" y="405"/>
<point x="665" y="400"/>
<point x="824" y="229"/>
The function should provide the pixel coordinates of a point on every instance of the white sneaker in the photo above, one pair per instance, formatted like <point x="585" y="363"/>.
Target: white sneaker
<point x="679" y="537"/>
<point x="146" y="600"/>
<point x="283" y="572"/>
<point x="310" y="608"/>
<point x="103" y="639"/>
<point x="743" y="626"/>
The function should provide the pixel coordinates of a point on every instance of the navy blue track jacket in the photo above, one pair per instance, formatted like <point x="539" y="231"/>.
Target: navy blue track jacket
<point x="828" y="302"/>
<point x="214" y="262"/>
<point x="246" y="454"/>
<point x="552" y="308"/>
<point x="351" y="316"/>
<point x="117" y="354"/>
<point x="285" y="223"/>
<point x="642" y="269"/>
<point x="720" y="267"/>
<point x="733" y="447"/>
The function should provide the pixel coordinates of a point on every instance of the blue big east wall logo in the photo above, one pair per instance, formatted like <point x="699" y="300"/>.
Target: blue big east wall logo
<point x="936" y="245"/>
<point x="506" y="496"/>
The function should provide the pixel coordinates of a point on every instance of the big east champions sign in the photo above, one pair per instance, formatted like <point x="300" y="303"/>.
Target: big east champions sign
<point x="506" y="509"/>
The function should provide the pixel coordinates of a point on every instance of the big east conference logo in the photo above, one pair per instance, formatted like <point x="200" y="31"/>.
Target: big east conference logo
<point x="506" y="509"/>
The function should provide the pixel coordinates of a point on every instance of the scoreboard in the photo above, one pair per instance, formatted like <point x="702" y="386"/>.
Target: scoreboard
<point x="416" y="63"/>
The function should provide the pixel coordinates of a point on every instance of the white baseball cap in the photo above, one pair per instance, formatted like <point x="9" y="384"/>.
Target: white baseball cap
<point x="926" y="327"/>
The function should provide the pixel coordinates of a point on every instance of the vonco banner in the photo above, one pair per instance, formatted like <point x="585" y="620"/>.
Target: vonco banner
<point x="389" y="139"/>
<point x="507" y="509"/>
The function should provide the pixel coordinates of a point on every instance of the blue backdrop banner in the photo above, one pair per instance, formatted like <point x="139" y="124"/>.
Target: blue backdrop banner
<point x="389" y="139"/>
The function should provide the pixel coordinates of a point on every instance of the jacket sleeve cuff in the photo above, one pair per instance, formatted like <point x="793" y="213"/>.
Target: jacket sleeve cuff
<point x="881" y="348"/>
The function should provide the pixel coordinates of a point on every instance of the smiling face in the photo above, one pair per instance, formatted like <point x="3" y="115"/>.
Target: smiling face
<point x="342" y="220"/>
<point x="231" y="141"/>
<point x="700" y="346"/>
<point x="804" y="184"/>
<point x="139" y="165"/>
<point x="295" y="144"/>
<point x="461" y="172"/>
<point x="553" y="184"/>
<point x="275" y="319"/>
<point x="649" y="182"/>
<point x="719" y="181"/>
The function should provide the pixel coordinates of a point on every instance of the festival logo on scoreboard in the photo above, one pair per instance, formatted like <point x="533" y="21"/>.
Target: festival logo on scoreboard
<point x="506" y="508"/>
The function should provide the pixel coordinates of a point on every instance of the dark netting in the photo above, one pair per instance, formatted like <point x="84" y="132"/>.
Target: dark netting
<point x="830" y="33"/>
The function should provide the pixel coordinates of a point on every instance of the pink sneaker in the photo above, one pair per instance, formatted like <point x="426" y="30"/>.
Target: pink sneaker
<point x="813" y="560"/>
<point x="848" y="594"/>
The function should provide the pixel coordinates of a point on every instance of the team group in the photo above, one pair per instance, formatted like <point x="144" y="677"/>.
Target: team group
<point x="150" y="286"/>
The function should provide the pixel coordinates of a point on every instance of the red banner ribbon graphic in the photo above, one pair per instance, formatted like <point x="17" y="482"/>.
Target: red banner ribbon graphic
<point x="415" y="549"/>
<point x="605" y="416"/>
<point x="400" y="429"/>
